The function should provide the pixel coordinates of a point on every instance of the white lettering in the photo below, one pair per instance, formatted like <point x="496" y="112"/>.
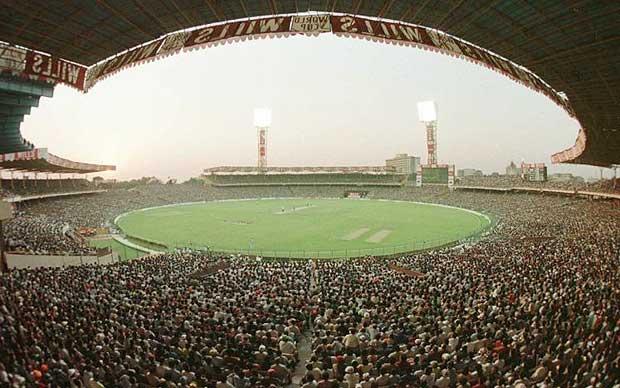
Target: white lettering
<point x="36" y="65"/>
<point x="444" y="42"/>
<point x="73" y="73"/>
<point x="348" y="24"/>
<point x="223" y="32"/>
<point x="147" y="51"/>
<point x="48" y="70"/>
<point x="251" y="27"/>
<point x="270" y="25"/>
<point x="240" y="29"/>
<point x="395" y="32"/>
<point x="369" y="30"/>
<point x="203" y="36"/>
<point x="412" y="34"/>
<point x="385" y="30"/>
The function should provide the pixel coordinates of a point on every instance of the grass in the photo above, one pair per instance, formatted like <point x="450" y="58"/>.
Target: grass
<point x="125" y="252"/>
<point x="318" y="227"/>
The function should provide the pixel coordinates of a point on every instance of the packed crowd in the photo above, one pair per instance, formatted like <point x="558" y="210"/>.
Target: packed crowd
<point x="26" y="187"/>
<point x="43" y="235"/>
<point x="537" y="303"/>
<point x="100" y="210"/>
<point x="507" y="181"/>
<point x="150" y="322"/>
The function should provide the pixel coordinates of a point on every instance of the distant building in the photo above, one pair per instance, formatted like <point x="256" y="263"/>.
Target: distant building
<point x="512" y="169"/>
<point x="467" y="172"/>
<point x="534" y="172"/>
<point x="403" y="164"/>
<point x="565" y="177"/>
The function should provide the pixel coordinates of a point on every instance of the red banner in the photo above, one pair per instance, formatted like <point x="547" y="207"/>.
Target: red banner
<point x="55" y="69"/>
<point x="23" y="155"/>
<point x="135" y="55"/>
<point x="409" y="34"/>
<point x="58" y="70"/>
<point x="210" y="34"/>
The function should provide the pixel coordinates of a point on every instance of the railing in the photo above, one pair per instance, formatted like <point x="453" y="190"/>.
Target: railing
<point x="382" y="251"/>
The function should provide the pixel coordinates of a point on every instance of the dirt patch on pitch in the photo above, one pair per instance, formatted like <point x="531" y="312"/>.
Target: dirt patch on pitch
<point x="355" y="234"/>
<point x="379" y="236"/>
<point x="235" y="222"/>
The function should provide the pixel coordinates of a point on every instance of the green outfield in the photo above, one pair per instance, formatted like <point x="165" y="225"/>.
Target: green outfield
<point x="305" y="227"/>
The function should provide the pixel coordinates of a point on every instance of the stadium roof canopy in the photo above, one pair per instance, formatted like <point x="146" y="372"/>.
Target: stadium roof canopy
<point x="574" y="46"/>
<point x="17" y="97"/>
<point x="40" y="160"/>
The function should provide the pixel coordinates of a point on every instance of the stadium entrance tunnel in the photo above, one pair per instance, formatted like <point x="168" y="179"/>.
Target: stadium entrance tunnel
<point x="556" y="70"/>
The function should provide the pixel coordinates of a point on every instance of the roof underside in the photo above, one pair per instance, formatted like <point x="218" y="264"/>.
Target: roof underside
<point x="44" y="166"/>
<point x="573" y="45"/>
<point x="40" y="160"/>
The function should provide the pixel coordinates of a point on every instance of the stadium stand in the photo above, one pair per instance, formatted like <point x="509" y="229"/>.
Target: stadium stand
<point x="504" y="181"/>
<point x="306" y="179"/>
<point x="43" y="235"/>
<point x="536" y="302"/>
<point x="100" y="209"/>
<point x="26" y="187"/>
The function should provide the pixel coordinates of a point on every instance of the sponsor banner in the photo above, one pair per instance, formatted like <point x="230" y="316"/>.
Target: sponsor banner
<point x="173" y="42"/>
<point x="408" y="34"/>
<point x="379" y="29"/>
<point x="572" y="152"/>
<point x="55" y="69"/>
<point x="42" y="153"/>
<point x="92" y="75"/>
<point x="133" y="56"/>
<point x="69" y="164"/>
<point x="311" y="24"/>
<point x="212" y="34"/>
<point x="187" y="39"/>
<point x="12" y="59"/>
<point x="34" y="154"/>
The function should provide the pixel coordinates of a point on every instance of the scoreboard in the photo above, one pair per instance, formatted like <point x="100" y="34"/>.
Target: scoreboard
<point x="438" y="174"/>
<point x="435" y="175"/>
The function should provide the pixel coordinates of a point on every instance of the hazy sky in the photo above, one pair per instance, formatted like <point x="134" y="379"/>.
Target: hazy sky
<point x="335" y="101"/>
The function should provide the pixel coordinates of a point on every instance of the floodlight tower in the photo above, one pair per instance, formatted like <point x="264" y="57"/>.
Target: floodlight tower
<point x="262" y="122"/>
<point x="427" y="113"/>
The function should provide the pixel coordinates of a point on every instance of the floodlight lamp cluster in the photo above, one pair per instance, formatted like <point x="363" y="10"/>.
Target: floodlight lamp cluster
<point x="427" y="111"/>
<point x="262" y="117"/>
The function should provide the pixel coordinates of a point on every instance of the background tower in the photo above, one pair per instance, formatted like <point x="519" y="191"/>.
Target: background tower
<point x="262" y="122"/>
<point x="427" y="113"/>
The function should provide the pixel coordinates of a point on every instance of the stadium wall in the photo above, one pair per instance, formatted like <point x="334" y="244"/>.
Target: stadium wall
<point x="19" y="261"/>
